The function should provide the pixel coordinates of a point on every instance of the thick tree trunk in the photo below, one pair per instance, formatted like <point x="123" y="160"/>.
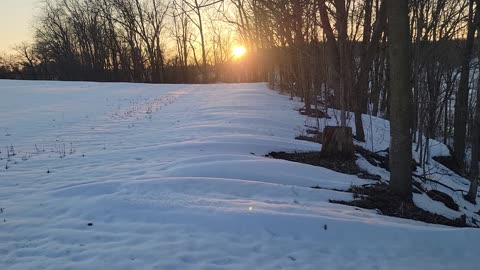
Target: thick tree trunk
<point x="400" y="140"/>
<point x="472" y="192"/>
<point x="461" y="99"/>
<point x="345" y="60"/>
<point x="474" y="166"/>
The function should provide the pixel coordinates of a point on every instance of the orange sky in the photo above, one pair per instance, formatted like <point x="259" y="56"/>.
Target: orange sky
<point x="16" y="19"/>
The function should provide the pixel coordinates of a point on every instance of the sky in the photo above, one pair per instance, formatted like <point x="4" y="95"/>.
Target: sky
<point x="16" y="22"/>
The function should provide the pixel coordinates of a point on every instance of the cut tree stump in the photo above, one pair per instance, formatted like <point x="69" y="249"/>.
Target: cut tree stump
<point x="338" y="142"/>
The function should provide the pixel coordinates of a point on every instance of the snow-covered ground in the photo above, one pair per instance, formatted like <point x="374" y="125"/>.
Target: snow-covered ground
<point x="173" y="177"/>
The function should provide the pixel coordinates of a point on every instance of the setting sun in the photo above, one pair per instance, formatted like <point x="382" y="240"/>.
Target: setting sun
<point x="239" y="51"/>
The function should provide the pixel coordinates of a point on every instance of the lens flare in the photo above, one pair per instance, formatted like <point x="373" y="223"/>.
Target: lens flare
<point x="239" y="51"/>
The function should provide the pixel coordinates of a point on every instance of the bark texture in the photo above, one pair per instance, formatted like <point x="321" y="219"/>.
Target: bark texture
<point x="400" y="91"/>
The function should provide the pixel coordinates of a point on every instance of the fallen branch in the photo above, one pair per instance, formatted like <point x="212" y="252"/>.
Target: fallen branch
<point x="437" y="182"/>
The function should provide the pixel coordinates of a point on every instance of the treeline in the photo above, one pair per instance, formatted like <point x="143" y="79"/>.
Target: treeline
<point x="339" y="53"/>
<point x="155" y="41"/>
<point x="334" y="53"/>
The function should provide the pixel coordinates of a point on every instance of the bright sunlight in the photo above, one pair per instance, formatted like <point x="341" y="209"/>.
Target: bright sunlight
<point x="239" y="51"/>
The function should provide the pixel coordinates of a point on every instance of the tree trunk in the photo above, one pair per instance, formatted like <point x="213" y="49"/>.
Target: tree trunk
<point x="400" y="143"/>
<point x="202" y="40"/>
<point x="345" y="69"/>
<point x="474" y="167"/>
<point x="361" y="88"/>
<point x="461" y="99"/>
<point x="472" y="192"/>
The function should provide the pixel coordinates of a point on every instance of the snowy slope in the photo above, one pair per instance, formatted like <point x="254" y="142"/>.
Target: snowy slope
<point x="173" y="177"/>
<point x="377" y="139"/>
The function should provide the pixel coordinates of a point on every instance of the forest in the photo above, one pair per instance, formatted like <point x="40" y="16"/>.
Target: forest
<point x="412" y="62"/>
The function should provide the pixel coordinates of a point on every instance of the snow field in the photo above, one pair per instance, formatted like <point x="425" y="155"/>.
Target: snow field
<point x="174" y="177"/>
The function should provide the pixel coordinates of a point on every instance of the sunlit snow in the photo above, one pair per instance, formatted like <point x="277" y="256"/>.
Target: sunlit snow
<point x="141" y="176"/>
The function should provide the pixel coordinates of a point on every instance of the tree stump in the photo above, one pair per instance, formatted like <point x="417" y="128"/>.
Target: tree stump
<point x="338" y="142"/>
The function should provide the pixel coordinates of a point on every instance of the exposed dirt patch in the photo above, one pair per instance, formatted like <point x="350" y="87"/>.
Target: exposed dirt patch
<point x="375" y="159"/>
<point x="417" y="187"/>
<point x="334" y="189"/>
<point x="314" y="113"/>
<point x="444" y="198"/>
<point x="347" y="166"/>
<point x="380" y="159"/>
<point x="449" y="162"/>
<point x="381" y="198"/>
<point x="314" y="132"/>
<point x="315" y="139"/>
<point x="317" y="136"/>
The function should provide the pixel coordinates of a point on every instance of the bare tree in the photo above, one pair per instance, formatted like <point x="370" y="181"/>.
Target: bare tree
<point x="182" y="35"/>
<point x="475" y="163"/>
<point x="197" y="8"/>
<point x="27" y="54"/>
<point x="461" y="100"/>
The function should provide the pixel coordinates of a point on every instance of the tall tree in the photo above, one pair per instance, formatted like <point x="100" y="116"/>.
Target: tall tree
<point x="461" y="100"/>
<point x="370" y="41"/>
<point x="196" y="7"/>
<point x="182" y="36"/>
<point x="400" y="92"/>
<point x="474" y="166"/>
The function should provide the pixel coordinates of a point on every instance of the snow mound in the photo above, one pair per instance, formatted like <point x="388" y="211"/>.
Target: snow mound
<point x="137" y="176"/>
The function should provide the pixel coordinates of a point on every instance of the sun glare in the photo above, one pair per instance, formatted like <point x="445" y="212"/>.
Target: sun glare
<point x="239" y="51"/>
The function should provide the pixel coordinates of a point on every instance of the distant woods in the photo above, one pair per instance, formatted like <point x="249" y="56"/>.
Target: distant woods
<point x="333" y="53"/>
<point x="155" y="41"/>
